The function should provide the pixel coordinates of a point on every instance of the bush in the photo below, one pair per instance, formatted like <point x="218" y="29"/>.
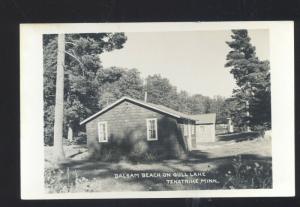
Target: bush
<point x="48" y="137"/>
<point x="138" y="151"/>
<point x="133" y="146"/>
<point x="53" y="181"/>
<point x="59" y="181"/>
<point x="80" y="138"/>
<point x="261" y="128"/>
<point x="253" y="174"/>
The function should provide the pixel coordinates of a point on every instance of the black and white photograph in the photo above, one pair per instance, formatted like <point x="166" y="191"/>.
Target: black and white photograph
<point x="156" y="111"/>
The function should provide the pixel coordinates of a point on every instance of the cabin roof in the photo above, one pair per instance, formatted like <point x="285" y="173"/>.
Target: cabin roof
<point x="200" y="118"/>
<point x="204" y="118"/>
<point x="170" y="111"/>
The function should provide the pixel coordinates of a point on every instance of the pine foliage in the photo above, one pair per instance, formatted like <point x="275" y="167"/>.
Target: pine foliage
<point x="253" y="83"/>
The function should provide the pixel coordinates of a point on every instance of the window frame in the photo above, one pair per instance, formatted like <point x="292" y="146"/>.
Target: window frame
<point x="106" y="135"/>
<point x="185" y="130"/>
<point x="148" y="127"/>
<point x="202" y="129"/>
<point x="193" y="129"/>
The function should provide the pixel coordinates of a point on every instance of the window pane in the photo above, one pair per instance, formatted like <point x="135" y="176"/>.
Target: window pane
<point x="102" y="132"/>
<point x="152" y="135"/>
<point x="185" y="130"/>
<point x="104" y="135"/>
<point x="202" y="128"/>
<point x="151" y="127"/>
<point x="192" y="129"/>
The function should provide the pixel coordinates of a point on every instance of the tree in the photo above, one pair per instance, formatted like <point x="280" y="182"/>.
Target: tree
<point x="251" y="77"/>
<point x="83" y="85"/>
<point x="81" y="65"/>
<point x="199" y="104"/>
<point x="49" y="61"/>
<point x="118" y="82"/>
<point x="217" y="104"/>
<point x="183" y="102"/>
<point x="160" y="91"/>
<point x="260" y="106"/>
<point x="59" y="99"/>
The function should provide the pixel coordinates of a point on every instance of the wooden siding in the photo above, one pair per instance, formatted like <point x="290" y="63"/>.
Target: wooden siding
<point x="127" y="130"/>
<point x="205" y="133"/>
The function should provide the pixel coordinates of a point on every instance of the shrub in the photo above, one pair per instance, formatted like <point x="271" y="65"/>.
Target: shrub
<point x="59" y="181"/>
<point x="151" y="156"/>
<point x="138" y="151"/>
<point x="253" y="174"/>
<point x="53" y="181"/>
<point x="80" y="138"/>
<point x="134" y="147"/>
<point x="261" y="128"/>
<point x="67" y="142"/>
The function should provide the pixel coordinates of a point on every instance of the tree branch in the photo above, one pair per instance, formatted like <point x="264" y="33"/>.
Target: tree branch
<point x="74" y="57"/>
<point x="71" y="43"/>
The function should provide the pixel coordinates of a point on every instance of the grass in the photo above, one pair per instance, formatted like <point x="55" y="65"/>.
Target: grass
<point x="227" y="164"/>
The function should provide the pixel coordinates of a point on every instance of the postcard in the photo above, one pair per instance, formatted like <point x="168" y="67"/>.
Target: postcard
<point x="157" y="110"/>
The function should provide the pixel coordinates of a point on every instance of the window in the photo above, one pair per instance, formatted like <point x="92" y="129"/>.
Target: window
<point x="202" y="129"/>
<point x="185" y="130"/>
<point x="102" y="131"/>
<point x="152" y="129"/>
<point x="193" y="129"/>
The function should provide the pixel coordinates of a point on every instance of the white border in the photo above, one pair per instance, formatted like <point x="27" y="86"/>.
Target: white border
<point x="282" y="85"/>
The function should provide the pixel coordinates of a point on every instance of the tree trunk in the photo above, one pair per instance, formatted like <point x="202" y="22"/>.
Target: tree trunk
<point x="59" y="100"/>
<point x="70" y="133"/>
<point x="248" y="115"/>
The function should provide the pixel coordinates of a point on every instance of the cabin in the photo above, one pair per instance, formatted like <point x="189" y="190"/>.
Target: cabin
<point x="130" y="127"/>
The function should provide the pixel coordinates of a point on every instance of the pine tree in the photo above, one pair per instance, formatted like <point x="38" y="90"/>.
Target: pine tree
<point x="251" y="77"/>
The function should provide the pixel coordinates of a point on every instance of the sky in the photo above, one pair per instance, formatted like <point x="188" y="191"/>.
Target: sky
<point x="193" y="61"/>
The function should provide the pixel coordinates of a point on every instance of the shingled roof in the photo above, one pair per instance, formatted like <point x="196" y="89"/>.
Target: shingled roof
<point x="200" y="118"/>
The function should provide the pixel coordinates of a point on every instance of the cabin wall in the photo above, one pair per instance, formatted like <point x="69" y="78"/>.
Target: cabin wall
<point x="127" y="134"/>
<point x="205" y="133"/>
<point x="189" y="133"/>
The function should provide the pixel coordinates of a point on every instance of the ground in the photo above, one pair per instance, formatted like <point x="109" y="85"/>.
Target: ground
<point x="240" y="160"/>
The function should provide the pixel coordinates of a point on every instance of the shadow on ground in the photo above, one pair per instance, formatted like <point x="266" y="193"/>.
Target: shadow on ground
<point x="239" y="137"/>
<point x="232" y="165"/>
<point x="215" y="168"/>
